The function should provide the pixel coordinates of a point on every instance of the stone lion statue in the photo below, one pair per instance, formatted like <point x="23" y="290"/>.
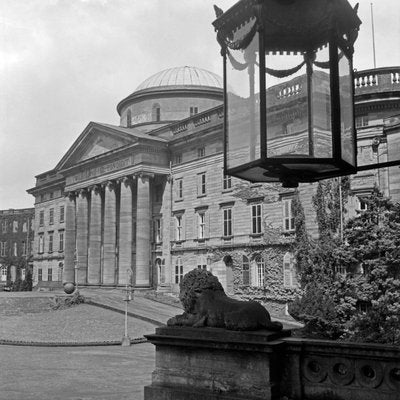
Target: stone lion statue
<point x="206" y="305"/>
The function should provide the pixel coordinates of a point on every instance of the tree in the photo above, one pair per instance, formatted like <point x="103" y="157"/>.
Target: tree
<point x="364" y="304"/>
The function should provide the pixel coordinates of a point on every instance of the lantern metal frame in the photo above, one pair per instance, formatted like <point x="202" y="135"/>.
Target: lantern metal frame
<point x="338" y="31"/>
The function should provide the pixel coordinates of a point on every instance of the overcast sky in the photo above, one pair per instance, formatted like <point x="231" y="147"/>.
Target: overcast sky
<point x="64" y="63"/>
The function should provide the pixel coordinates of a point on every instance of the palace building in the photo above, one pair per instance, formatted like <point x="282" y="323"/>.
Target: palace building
<point x="147" y="201"/>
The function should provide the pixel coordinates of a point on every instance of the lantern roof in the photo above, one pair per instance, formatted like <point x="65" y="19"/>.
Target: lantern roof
<point x="290" y="25"/>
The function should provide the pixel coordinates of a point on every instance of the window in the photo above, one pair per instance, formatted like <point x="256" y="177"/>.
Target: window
<point x="158" y="193"/>
<point x="178" y="228"/>
<point x="61" y="241"/>
<point x="256" y="219"/>
<point x="41" y="218"/>
<point x="201" y="152"/>
<point x="129" y="118"/>
<point x="3" y="249"/>
<point x="245" y="271"/>
<point x="156" y="112"/>
<point x="201" y="218"/>
<point x="178" y="159"/>
<point x="179" y="189"/>
<point x="3" y="274"/>
<point x="4" y="227"/>
<point x="25" y="227"/>
<point x="362" y="120"/>
<point x="288" y="217"/>
<point x="227" y="222"/>
<point x="23" y="245"/>
<point x="201" y="184"/>
<point x="193" y="110"/>
<point x="15" y="249"/>
<point x="50" y="274"/>
<point x="23" y="274"/>
<point x="40" y="275"/>
<point x="15" y="226"/>
<point x="41" y="244"/>
<point x="157" y="230"/>
<point x="62" y="211"/>
<point x="178" y="270"/>
<point x="227" y="182"/>
<point x="260" y="266"/>
<point x="50" y="242"/>
<point x="362" y="204"/>
<point x="202" y="263"/>
<point x="289" y="271"/>
<point x="51" y="195"/>
<point x="51" y="216"/>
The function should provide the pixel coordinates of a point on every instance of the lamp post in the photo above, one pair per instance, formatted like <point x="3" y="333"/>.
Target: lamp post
<point x="126" y="341"/>
<point x="288" y="89"/>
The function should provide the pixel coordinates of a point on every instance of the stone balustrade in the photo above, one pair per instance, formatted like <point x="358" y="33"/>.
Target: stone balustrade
<point x="377" y="80"/>
<point x="210" y="363"/>
<point x="340" y="370"/>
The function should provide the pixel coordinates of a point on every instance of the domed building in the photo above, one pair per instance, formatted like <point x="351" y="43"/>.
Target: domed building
<point x="169" y="96"/>
<point x="147" y="201"/>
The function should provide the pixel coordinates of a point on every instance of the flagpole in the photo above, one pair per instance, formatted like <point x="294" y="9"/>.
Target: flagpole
<point x="373" y="34"/>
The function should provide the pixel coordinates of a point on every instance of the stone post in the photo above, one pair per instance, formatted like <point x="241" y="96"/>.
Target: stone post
<point x="70" y="240"/>
<point x="82" y="236"/>
<point x="125" y="232"/>
<point x="143" y="232"/>
<point x="110" y="226"/>
<point x="94" y="256"/>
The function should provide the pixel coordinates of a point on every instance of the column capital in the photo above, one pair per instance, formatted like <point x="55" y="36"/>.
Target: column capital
<point x="95" y="189"/>
<point x="127" y="180"/>
<point x="82" y="193"/>
<point x="144" y="175"/>
<point x="110" y="185"/>
<point x="70" y="195"/>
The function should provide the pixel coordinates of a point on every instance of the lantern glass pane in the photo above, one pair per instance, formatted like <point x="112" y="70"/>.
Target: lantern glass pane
<point x="243" y="108"/>
<point x="321" y="120"/>
<point x="346" y="109"/>
<point x="287" y="108"/>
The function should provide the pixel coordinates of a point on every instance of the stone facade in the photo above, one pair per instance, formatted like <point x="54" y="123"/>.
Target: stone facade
<point x="16" y="240"/>
<point x="145" y="203"/>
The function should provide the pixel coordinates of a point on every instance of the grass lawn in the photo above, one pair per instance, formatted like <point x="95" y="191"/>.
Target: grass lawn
<point x="80" y="323"/>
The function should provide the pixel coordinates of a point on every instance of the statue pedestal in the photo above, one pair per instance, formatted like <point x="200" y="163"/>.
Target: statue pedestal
<point x="212" y="363"/>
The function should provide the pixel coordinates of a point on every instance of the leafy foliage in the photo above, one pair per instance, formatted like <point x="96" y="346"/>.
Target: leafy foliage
<point x="364" y="304"/>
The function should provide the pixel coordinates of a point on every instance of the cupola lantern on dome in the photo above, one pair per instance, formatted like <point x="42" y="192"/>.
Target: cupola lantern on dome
<point x="291" y="61"/>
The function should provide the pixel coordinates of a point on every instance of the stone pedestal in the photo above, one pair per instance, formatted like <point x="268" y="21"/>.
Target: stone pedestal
<point x="211" y="363"/>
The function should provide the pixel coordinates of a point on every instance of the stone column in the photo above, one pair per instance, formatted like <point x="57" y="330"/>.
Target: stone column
<point x="70" y="240"/>
<point x="143" y="232"/>
<point x="110" y="226"/>
<point x="94" y="256"/>
<point x="125" y="233"/>
<point x="82" y="235"/>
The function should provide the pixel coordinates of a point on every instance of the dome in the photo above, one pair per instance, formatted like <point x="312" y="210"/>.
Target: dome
<point x="182" y="76"/>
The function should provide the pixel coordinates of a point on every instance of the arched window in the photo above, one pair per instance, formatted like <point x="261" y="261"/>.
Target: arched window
<point x="260" y="266"/>
<point x="289" y="271"/>
<point x="129" y="118"/>
<point x="156" y="112"/>
<point x="202" y="262"/>
<point x="160" y="270"/>
<point x="245" y="271"/>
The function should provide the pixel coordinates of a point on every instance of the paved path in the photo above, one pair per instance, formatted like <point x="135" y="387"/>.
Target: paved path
<point x="75" y="373"/>
<point x="140" y="306"/>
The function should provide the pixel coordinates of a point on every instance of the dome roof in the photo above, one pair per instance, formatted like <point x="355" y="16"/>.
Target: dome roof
<point x="182" y="76"/>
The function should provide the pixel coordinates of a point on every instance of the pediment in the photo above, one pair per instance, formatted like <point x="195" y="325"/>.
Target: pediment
<point x="94" y="141"/>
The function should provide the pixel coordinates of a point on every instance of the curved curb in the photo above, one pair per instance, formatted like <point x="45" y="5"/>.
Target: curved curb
<point x="131" y="314"/>
<point x="68" y="344"/>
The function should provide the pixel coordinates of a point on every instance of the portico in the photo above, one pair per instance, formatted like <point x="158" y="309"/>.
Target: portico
<point x="109" y="212"/>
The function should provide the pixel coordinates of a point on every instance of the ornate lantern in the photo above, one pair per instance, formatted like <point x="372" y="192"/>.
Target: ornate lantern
<point x="289" y="96"/>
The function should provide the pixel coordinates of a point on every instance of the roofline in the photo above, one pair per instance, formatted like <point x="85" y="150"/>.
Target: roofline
<point x="168" y="90"/>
